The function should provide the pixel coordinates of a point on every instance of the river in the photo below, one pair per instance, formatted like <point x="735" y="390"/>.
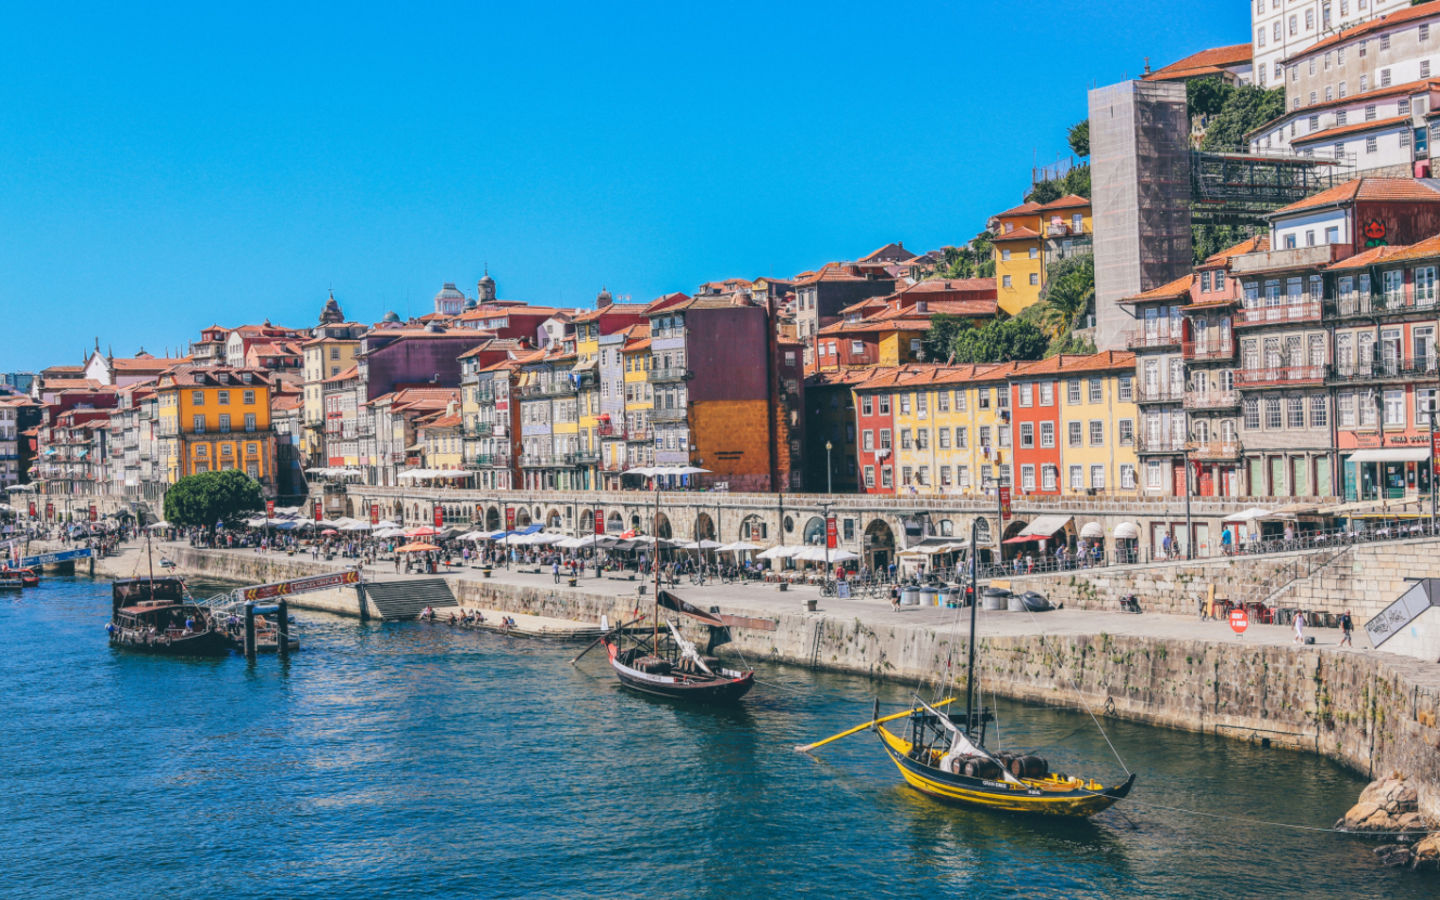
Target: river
<point x="407" y="760"/>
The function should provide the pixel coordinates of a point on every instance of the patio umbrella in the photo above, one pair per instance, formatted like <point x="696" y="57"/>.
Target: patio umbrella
<point x="777" y="553"/>
<point x="422" y="531"/>
<point x="329" y="532"/>
<point x="738" y="547"/>
<point x="843" y="556"/>
<point x="356" y="526"/>
<point x="417" y="547"/>
<point x="386" y="523"/>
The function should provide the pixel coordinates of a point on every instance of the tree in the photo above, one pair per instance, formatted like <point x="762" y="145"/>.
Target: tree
<point x="1080" y="138"/>
<point x="1207" y="96"/>
<point x="939" y="341"/>
<point x="204" y="499"/>
<point x="1044" y="192"/>
<point x="1077" y="181"/>
<point x="1245" y="109"/>
<point x="1002" y="340"/>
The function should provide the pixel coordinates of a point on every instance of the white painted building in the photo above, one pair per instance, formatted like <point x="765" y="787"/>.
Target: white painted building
<point x="1363" y="95"/>
<point x="1280" y="29"/>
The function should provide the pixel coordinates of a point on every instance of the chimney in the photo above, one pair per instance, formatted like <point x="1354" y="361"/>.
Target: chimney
<point x="1147" y="67"/>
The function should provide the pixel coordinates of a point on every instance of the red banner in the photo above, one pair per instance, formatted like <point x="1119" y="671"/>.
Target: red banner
<point x="1004" y="504"/>
<point x="94" y="515"/>
<point x="509" y="518"/>
<point x="319" y="510"/>
<point x="599" y="521"/>
<point x="301" y="585"/>
<point x="374" y="514"/>
<point x="32" y="509"/>
<point x="269" y="509"/>
<point x="832" y="537"/>
<point x="439" y="516"/>
<point x="49" y="511"/>
<point x="1435" y="451"/>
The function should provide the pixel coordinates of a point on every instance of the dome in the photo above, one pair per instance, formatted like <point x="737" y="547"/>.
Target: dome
<point x="391" y="318"/>
<point x="331" y="314"/>
<point x="604" y="298"/>
<point x="449" y="292"/>
<point x="485" y="288"/>
<point x="471" y="304"/>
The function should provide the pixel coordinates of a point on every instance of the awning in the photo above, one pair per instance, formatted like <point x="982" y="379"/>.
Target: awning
<point x="1250" y="515"/>
<point x="1044" y="526"/>
<point x="1127" y="531"/>
<point x="1391" y="455"/>
<point x="1092" y="530"/>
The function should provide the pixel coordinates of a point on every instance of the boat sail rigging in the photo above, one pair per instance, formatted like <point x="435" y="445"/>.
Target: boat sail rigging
<point x="945" y="756"/>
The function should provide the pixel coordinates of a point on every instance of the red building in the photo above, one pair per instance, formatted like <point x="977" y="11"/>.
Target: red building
<point x="1035" y="426"/>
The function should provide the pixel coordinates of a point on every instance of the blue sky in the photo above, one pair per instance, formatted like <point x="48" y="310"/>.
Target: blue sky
<point x="165" y="167"/>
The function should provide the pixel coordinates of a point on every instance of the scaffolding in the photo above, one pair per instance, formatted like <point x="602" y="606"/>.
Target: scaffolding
<point x="1242" y="188"/>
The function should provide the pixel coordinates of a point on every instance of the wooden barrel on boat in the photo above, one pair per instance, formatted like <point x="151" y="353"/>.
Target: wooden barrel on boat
<point x="1029" y="767"/>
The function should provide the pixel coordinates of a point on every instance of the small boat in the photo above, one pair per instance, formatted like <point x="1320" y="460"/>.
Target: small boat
<point x="945" y="757"/>
<point x="668" y="665"/>
<point x="18" y="578"/>
<point x="267" y="636"/>
<point x="158" y="615"/>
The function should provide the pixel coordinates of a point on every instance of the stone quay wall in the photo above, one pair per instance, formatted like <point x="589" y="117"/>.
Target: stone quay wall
<point x="1375" y="712"/>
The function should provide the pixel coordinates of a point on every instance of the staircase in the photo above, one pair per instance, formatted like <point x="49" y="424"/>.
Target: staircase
<point x="1304" y="567"/>
<point x="406" y="599"/>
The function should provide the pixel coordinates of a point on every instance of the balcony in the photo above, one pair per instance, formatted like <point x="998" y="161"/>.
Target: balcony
<point x="1215" y="451"/>
<point x="537" y="460"/>
<point x="606" y="429"/>
<point x="583" y="458"/>
<point x="1213" y="351"/>
<point x="1212" y="400"/>
<point x="1145" y="340"/>
<point x="639" y="436"/>
<point x="1286" y="314"/>
<point x="1162" y="444"/>
<point x="678" y="414"/>
<point x="1364" y="305"/>
<point x="1384" y="369"/>
<point x="1287" y="258"/>
<point x="658" y="376"/>
<point x="483" y="429"/>
<point x="1158" y="393"/>
<point x="1285" y="376"/>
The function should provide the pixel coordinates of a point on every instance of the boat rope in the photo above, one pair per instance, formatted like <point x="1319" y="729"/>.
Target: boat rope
<point x="1076" y="685"/>
<point x="1314" y="829"/>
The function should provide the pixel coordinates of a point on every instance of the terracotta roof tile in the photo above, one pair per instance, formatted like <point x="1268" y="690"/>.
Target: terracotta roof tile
<point x="1212" y="60"/>
<point x="1355" y="128"/>
<point x="1028" y="208"/>
<point x="1373" y="189"/>
<point x="1399" y="17"/>
<point x="1069" y="201"/>
<point x="1178" y="288"/>
<point x="1019" y="233"/>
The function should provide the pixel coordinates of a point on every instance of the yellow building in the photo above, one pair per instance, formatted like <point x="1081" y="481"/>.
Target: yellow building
<point x="1029" y="238"/>
<point x="639" y="402"/>
<point x="214" y="418"/>
<point x="324" y="357"/>
<point x="1097" y="424"/>
<point x="441" y="439"/>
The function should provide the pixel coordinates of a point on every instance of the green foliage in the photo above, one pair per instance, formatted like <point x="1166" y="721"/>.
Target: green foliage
<point x="1070" y="343"/>
<point x="1044" y="192"/>
<point x="1076" y="181"/>
<point x="1208" y="240"/>
<point x="1243" y="110"/>
<point x="1002" y="340"/>
<point x="1079" y="138"/>
<point x="1207" y="96"/>
<point x="939" y="341"/>
<point x="210" y="497"/>
<point x="1070" y="285"/>
<point x="974" y="260"/>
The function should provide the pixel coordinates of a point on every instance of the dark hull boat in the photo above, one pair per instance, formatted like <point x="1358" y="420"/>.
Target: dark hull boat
<point x="158" y="616"/>
<point x="641" y="671"/>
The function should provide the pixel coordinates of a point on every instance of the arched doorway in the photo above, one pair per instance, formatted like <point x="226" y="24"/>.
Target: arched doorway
<point x="879" y="545"/>
<point x="492" y="519"/>
<point x="522" y="518"/>
<point x="704" y="527"/>
<point x="814" y="535"/>
<point x="1014" y="528"/>
<point x="615" y="523"/>
<point x="552" y="519"/>
<point x="662" y="527"/>
<point x="752" y="528"/>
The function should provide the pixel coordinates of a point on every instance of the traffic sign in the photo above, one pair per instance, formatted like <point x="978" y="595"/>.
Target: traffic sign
<point x="1239" y="620"/>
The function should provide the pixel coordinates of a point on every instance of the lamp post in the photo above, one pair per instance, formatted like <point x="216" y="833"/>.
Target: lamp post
<point x="828" y="469"/>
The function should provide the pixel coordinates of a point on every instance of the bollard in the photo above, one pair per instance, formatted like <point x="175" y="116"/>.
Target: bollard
<point x="250" y="631"/>
<point x="282" y="629"/>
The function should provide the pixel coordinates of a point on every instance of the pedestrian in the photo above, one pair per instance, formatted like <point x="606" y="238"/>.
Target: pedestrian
<point x="895" y="597"/>
<point x="1347" y="626"/>
<point x="1299" y="627"/>
<point x="1226" y="539"/>
<point x="1165" y="543"/>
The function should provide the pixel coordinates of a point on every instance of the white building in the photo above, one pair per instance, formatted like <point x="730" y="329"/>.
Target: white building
<point x="1280" y="29"/>
<point x="1363" y="95"/>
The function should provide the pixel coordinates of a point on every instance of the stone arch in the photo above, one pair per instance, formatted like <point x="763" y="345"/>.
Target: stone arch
<point x="398" y="511"/>
<point x="1015" y="527"/>
<point x="552" y="519"/>
<point x="493" y="521"/>
<point x="522" y="518"/>
<point x="634" y="520"/>
<point x="704" y="528"/>
<point x="349" y="507"/>
<point x="879" y="545"/>
<point x="614" y="522"/>
<point x="945" y="528"/>
<point x="753" y="528"/>
<point x="814" y="533"/>
<point x="662" y="527"/>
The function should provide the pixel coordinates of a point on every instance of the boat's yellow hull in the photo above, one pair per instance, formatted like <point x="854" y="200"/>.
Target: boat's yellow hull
<point x="1048" y="796"/>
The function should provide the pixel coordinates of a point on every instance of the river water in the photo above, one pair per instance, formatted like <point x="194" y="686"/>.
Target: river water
<point x="408" y="760"/>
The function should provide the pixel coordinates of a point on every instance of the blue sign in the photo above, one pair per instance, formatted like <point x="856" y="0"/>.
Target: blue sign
<point x="46" y="559"/>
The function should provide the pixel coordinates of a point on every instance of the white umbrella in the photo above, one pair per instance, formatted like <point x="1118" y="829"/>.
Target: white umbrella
<point x="160" y="524"/>
<point x="738" y="547"/>
<point x="843" y="556"/>
<point x="573" y="543"/>
<point x="20" y="487"/>
<point x="356" y="526"/>
<point x="386" y="523"/>
<point x="777" y="553"/>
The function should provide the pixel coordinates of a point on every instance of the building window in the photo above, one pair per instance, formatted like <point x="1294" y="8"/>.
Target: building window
<point x="1384" y="75"/>
<point x="1425" y="285"/>
<point x="887" y="478"/>
<point x="1319" y="417"/>
<point x="1072" y="392"/>
<point x="1027" y="435"/>
<point x="1097" y="478"/>
<point x="249" y="421"/>
<point x="197" y="424"/>
<point x="1127" y="382"/>
<point x="1077" y="478"/>
<point x="905" y="443"/>
<point x="961" y="441"/>
<point x="943" y="435"/>
<point x="1034" y="277"/>
<point x="1027" y="478"/>
<point x="1048" y="477"/>
<point x="1097" y="390"/>
<point x="884" y="439"/>
<point x="1371" y="144"/>
<point x="1370" y="113"/>
<point x="1154" y="475"/>
<point x="197" y="398"/>
<point x="1047" y="434"/>
<point x="1395" y="409"/>
<point x="1097" y="433"/>
<point x="1385" y="42"/>
<point x="222" y="397"/>
<point x="1252" y="413"/>
<point x="1127" y="477"/>
<point x="1074" y="432"/>
<point x="1005" y="281"/>
<point x="1027" y="394"/>
<point x="1296" y="414"/>
<point x="867" y="406"/>
<point x="867" y="441"/>
<point x="1125" y="430"/>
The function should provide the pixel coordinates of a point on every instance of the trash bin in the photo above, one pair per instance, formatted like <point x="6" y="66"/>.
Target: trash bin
<point x="929" y="597"/>
<point x="994" y="598"/>
<point x="910" y="596"/>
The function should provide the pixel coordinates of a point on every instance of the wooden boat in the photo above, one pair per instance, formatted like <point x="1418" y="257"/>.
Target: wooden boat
<point x="668" y="665"/>
<point x="267" y="636"/>
<point x="158" y="615"/>
<point x="945" y="757"/>
<point x="15" y="579"/>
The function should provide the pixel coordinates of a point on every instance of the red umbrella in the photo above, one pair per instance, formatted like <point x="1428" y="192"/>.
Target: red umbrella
<point x="329" y="531"/>
<point x="416" y="548"/>
<point x="422" y="531"/>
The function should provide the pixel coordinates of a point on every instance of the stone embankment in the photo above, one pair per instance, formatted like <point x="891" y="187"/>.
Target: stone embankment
<point x="1375" y="712"/>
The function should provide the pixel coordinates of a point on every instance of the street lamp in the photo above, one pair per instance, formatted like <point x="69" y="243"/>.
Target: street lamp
<point x="828" y="470"/>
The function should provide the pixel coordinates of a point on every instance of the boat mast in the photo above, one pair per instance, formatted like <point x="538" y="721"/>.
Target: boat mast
<point x="655" y="533"/>
<point x="150" y="558"/>
<point x="974" y="602"/>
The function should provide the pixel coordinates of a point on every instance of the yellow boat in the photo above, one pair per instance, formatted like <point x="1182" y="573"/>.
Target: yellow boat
<point x="939" y="760"/>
